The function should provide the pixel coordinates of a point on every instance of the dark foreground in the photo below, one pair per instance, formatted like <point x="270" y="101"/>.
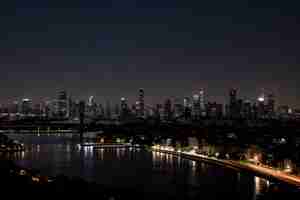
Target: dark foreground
<point x="14" y="183"/>
<point x="24" y="183"/>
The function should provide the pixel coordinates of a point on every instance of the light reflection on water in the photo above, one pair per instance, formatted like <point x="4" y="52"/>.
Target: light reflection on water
<point x="117" y="166"/>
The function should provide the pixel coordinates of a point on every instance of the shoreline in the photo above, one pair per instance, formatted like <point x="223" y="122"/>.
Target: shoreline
<point x="269" y="175"/>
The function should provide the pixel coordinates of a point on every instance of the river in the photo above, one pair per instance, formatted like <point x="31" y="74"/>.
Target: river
<point x="152" y="174"/>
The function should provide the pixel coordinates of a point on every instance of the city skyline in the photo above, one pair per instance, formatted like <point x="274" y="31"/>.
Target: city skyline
<point x="157" y="99"/>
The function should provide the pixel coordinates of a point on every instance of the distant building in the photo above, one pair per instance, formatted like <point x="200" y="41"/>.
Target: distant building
<point x="214" y="110"/>
<point x="261" y="107"/>
<point x="15" y="107"/>
<point x="270" y="107"/>
<point x="37" y="109"/>
<point x="178" y="108"/>
<point x="247" y="112"/>
<point x="141" y="104"/>
<point x="61" y="105"/>
<point x="117" y="111"/>
<point x="202" y="103"/>
<point x="158" y="113"/>
<point x="233" y="104"/>
<point x="108" y="110"/>
<point x="124" y="108"/>
<point x="168" y="110"/>
<point x="92" y="110"/>
<point x="196" y="107"/>
<point x="26" y="107"/>
<point x="283" y="111"/>
<point x="187" y="106"/>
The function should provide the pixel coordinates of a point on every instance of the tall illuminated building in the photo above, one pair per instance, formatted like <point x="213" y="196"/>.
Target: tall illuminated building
<point x="202" y="103"/>
<point x="261" y="106"/>
<point x="196" y="107"/>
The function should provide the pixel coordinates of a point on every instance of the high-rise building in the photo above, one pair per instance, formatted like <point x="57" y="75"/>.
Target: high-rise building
<point x="214" y="110"/>
<point x="270" y="107"/>
<point x="71" y="108"/>
<point x="202" y="103"/>
<point x="15" y="107"/>
<point x="178" y="108"/>
<point x="141" y="103"/>
<point x="247" y="111"/>
<point x="124" y="108"/>
<point x="91" y="101"/>
<point x="37" y="109"/>
<point x="108" y="110"/>
<point x="48" y="109"/>
<point x="92" y="108"/>
<point x="261" y="106"/>
<point x="158" y="111"/>
<point x="168" y="110"/>
<point x="26" y="107"/>
<point x="62" y="105"/>
<point x="101" y="110"/>
<point x="196" y="107"/>
<point x="233" y="104"/>
<point x="187" y="106"/>
<point x="117" y="110"/>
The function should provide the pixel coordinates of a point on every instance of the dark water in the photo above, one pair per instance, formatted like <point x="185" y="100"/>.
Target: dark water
<point x="156" y="175"/>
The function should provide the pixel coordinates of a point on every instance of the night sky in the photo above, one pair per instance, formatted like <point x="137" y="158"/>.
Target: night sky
<point x="111" y="48"/>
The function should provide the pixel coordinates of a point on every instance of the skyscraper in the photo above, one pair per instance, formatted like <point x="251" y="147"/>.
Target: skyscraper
<point x="247" y="111"/>
<point x="261" y="106"/>
<point x="233" y="104"/>
<point x="91" y="101"/>
<point x="158" y="111"/>
<point x="168" y="110"/>
<point x="187" y="108"/>
<point x="108" y="110"/>
<point x="178" y="108"/>
<point x="62" y="105"/>
<point x="141" y="102"/>
<point x="196" y="107"/>
<point x="270" y="107"/>
<point x="124" y="108"/>
<point x="117" y="110"/>
<point x="202" y="103"/>
<point x="26" y="107"/>
<point x="15" y="107"/>
<point x="214" y="110"/>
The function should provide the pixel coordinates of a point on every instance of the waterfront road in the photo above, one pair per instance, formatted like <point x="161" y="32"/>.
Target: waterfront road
<point x="259" y="170"/>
